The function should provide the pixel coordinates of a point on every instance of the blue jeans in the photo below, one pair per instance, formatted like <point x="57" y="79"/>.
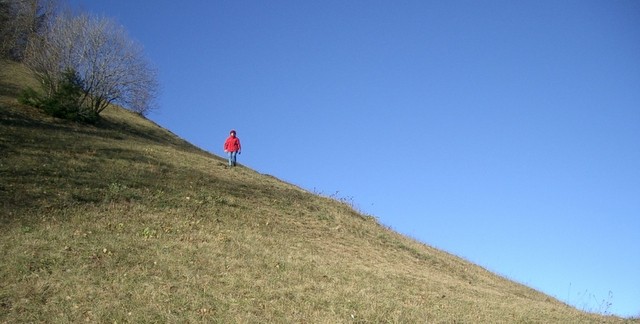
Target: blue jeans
<point x="232" y="158"/>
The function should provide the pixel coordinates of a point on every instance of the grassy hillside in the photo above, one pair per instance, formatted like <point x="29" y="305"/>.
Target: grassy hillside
<point x="125" y="222"/>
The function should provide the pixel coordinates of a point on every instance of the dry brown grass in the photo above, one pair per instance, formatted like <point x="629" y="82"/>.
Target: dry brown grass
<point x="124" y="222"/>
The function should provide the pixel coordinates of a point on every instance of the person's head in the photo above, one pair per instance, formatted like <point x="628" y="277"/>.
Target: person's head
<point x="233" y="133"/>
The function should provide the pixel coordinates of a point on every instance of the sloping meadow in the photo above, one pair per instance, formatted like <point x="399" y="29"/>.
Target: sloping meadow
<point x="124" y="222"/>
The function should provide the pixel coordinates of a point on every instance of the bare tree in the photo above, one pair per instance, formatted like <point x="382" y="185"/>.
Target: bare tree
<point x="111" y="66"/>
<point x="20" y="20"/>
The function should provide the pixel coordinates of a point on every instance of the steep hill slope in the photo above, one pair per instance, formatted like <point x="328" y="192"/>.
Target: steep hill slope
<point x="125" y="222"/>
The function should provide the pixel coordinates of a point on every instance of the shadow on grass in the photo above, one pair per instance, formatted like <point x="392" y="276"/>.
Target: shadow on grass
<point x="52" y="164"/>
<point x="10" y="90"/>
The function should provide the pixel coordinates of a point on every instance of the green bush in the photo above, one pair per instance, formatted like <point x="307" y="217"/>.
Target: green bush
<point x="30" y="97"/>
<point x="65" y="102"/>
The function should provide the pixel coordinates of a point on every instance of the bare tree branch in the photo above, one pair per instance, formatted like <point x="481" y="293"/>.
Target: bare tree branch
<point x="112" y="67"/>
<point x="20" y="20"/>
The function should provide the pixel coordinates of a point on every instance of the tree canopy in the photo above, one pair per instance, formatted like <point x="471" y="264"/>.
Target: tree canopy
<point x="108" y="65"/>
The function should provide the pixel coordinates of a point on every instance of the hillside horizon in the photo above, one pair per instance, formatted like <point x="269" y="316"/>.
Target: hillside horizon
<point x="125" y="222"/>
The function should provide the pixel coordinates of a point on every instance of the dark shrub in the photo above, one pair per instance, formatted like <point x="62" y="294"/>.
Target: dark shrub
<point x="65" y="102"/>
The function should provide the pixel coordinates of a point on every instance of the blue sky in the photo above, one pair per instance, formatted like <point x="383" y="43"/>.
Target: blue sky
<point x="504" y="132"/>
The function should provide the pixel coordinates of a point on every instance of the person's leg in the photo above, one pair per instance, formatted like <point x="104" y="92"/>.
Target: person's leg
<point x="233" y="158"/>
<point x="230" y="158"/>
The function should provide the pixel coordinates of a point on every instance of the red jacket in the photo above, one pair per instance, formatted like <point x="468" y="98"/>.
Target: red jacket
<point x="232" y="144"/>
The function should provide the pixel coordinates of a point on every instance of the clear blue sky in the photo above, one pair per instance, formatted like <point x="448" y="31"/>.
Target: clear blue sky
<point x="504" y="132"/>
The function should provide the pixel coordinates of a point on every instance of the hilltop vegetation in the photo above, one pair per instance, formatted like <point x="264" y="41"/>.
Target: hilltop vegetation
<point x="82" y="63"/>
<point x="122" y="221"/>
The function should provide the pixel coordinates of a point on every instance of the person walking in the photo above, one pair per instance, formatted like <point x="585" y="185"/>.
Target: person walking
<point x="232" y="147"/>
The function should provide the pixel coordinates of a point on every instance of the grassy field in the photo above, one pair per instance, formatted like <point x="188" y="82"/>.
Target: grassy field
<point x="123" y="222"/>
